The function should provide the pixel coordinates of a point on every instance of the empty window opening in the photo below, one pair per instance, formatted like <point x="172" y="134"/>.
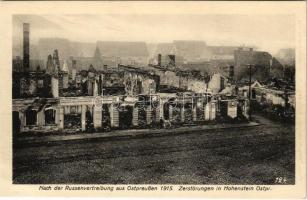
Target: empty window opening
<point x="31" y="117"/>
<point x="50" y="116"/>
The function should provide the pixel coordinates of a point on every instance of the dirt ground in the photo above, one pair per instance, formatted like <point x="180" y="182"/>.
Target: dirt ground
<point x="249" y="155"/>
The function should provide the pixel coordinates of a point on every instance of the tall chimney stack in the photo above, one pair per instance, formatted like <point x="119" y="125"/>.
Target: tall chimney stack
<point x="26" y="47"/>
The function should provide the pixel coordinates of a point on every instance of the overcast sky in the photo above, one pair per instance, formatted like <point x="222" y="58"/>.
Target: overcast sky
<point x="267" y="32"/>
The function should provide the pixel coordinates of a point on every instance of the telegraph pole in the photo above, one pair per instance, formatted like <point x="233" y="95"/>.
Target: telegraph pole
<point x="250" y="91"/>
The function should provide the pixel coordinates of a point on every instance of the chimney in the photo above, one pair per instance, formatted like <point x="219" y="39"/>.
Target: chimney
<point x="159" y="59"/>
<point x="26" y="47"/>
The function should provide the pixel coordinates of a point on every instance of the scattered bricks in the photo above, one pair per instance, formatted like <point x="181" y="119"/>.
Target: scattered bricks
<point x="176" y="114"/>
<point x="72" y="121"/>
<point x="188" y="113"/>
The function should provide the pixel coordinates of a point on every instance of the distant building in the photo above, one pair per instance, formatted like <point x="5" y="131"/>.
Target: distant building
<point x="286" y="56"/>
<point x="165" y="49"/>
<point x="97" y="59"/>
<point x="47" y="45"/>
<point x="197" y="55"/>
<point x="110" y="52"/>
<point x="134" y="53"/>
<point x="221" y="52"/>
<point x="188" y="50"/>
<point x="261" y="64"/>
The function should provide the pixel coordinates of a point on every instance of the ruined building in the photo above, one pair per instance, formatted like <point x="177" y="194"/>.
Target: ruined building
<point x="95" y="98"/>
